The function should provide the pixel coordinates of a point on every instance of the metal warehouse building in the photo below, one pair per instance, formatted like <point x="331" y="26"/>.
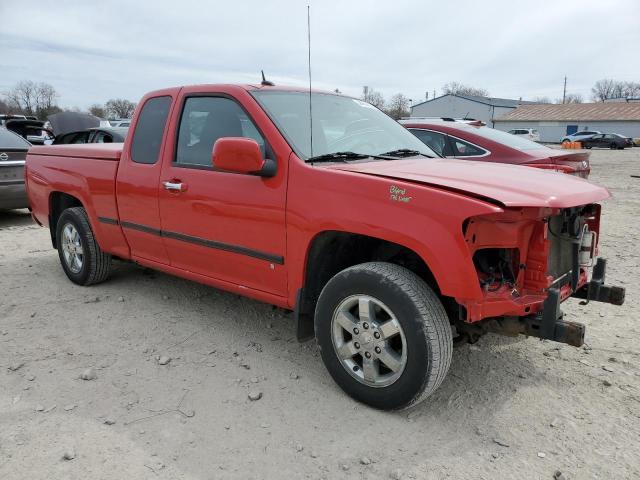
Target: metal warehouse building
<point x="555" y="121"/>
<point x="486" y="109"/>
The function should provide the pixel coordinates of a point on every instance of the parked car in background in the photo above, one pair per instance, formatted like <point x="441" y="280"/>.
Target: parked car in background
<point x="94" y="135"/>
<point x="8" y="116"/>
<point x="636" y="141"/>
<point x="579" y="136"/>
<point x="13" y="152"/>
<point x="613" y="141"/>
<point x="66" y="122"/>
<point x="474" y="141"/>
<point x="528" y="133"/>
<point x="123" y="122"/>
<point x="34" y="131"/>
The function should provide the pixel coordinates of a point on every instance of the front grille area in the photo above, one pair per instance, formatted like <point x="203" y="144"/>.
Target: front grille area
<point x="8" y="156"/>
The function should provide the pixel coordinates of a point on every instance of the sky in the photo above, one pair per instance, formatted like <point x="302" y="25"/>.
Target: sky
<point x="93" y="51"/>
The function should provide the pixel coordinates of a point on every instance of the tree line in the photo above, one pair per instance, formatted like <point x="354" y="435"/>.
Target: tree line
<point x="399" y="105"/>
<point x="40" y="99"/>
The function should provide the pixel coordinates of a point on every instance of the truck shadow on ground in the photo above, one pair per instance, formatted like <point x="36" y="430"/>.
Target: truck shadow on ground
<point x="15" y="218"/>
<point x="482" y="377"/>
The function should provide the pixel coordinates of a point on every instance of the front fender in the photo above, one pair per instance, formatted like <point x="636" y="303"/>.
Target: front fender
<point x="424" y="219"/>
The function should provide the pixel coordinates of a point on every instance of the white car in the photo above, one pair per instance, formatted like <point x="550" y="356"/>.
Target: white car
<point x="123" y="122"/>
<point x="528" y="133"/>
<point x="581" y="135"/>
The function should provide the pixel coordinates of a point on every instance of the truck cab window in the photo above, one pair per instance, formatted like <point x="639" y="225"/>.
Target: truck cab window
<point x="149" y="131"/>
<point x="206" y="119"/>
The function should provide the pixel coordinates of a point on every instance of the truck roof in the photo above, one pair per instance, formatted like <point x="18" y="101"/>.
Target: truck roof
<point x="249" y="87"/>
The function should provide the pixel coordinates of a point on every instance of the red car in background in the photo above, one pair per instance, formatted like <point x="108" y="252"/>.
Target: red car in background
<point x="472" y="140"/>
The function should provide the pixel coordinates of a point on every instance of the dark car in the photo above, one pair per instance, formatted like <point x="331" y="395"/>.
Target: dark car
<point x="470" y="140"/>
<point x="94" y="135"/>
<point x="613" y="141"/>
<point x="34" y="131"/>
<point x="13" y="151"/>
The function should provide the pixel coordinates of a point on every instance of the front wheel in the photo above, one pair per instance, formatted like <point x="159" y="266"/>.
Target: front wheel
<point x="80" y="255"/>
<point x="384" y="335"/>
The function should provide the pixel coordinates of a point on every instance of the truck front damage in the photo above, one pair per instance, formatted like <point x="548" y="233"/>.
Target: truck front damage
<point x="528" y="261"/>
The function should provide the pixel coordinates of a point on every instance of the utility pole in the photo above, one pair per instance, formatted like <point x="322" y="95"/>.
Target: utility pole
<point x="564" y="92"/>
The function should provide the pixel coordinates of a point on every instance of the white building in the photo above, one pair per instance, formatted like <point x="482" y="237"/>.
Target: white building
<point x="486" y="109"/>
<point x="555" y="121"/>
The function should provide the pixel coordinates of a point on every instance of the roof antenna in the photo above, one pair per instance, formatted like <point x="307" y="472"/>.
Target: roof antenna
<point x="265" y="82"/>
<point x="309" y="64"/>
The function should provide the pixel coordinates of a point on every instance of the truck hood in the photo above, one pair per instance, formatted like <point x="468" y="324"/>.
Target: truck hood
<point x="509" y="185"/>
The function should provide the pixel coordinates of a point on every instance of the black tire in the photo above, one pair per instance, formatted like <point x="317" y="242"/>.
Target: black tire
<point x="588" y="147"/>
<point x="613" y="146"/>
<point x="424" y="323"/>
<point x="96" y="265"/>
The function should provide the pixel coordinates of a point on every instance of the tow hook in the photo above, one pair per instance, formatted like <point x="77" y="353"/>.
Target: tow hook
<point x="596" y="289"/>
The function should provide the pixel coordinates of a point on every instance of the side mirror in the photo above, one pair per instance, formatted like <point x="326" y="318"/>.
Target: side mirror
<point x="241" y="155"/>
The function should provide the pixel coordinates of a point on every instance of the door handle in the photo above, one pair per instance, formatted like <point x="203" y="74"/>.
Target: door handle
<point x="174" y="186"/>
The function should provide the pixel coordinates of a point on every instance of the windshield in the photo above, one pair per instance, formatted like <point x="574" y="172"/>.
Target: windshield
<point x="340" y="124"/>
<point x="507" y="139"/>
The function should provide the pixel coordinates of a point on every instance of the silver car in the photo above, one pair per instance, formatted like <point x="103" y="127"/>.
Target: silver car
<point x="13" y="151"/>
<point x="579" y="136"/>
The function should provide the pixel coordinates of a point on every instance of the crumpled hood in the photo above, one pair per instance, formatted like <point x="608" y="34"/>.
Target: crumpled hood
<point x="510" y="185"/>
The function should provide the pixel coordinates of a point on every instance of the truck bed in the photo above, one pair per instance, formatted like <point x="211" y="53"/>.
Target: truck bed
<point x="86" y="172"/>
<point x="102" y="151"/>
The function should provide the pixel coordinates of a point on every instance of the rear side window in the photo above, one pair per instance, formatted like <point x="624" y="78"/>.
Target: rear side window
<point x="434" y="140"/>
<point x="465" y="149"/>
<point x="147" y="138"/>
<point x="80" y="137"/>
<point x="104" y="137"/>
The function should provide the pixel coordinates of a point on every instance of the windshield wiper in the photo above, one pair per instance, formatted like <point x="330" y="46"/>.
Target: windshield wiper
<point x="404" y="152"/>
<point x="338" y="156"/>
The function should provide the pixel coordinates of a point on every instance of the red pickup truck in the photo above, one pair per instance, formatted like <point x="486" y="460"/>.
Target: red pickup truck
<point x="387" y="254"/>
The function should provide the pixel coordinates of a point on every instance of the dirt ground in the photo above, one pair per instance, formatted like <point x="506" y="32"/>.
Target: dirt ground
<point x="510" y="408"/>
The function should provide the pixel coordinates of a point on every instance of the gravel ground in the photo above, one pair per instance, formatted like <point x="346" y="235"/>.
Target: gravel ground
<point x="175" y="365"/>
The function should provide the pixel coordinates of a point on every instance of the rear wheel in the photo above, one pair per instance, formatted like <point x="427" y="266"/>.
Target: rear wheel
<point x="80" y="255"/>
<point x="384" y="335"/>
<point x="613" y="146"/>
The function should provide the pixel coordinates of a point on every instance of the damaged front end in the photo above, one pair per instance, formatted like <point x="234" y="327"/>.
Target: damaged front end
<point x="528" y="261"/>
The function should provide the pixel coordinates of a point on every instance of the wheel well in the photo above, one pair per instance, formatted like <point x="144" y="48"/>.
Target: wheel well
<point x="332" y="252"/>
<point x="58" y="203"/>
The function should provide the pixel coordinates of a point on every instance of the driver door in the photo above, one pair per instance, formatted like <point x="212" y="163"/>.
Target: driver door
<point x="223" y="225"/>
